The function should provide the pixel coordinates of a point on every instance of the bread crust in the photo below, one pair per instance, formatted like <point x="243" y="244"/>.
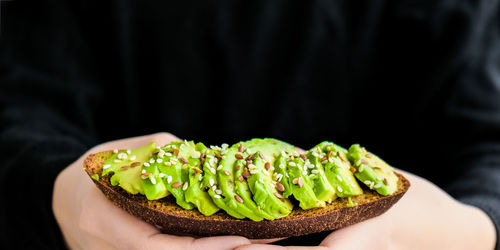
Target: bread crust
<point x="169" y="218"/>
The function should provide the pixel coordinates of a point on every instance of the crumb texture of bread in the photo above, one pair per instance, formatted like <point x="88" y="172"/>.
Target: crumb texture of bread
<point x="170" y="218"/>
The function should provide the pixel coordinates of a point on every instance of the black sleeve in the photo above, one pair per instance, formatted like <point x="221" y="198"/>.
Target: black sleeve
<point x="473" y="109"/>
<point x="46" y="123"/>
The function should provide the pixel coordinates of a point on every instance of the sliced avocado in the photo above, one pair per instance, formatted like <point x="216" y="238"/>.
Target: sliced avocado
<point x="241" y="185"/>
<point x="373" y="171"/>
<point x="225" y="178"/>
<point x="128" y="178"/>
<point x="337" y="168"/>
<point x="153" y="185"/>
<point x="301" y="185"/>
<point x="195" y="192"/>
<point x="267" y="151"/>
<point x="211" y="184"/>
<point x="175" y="172"/>
<point x="321" y="186"/>
<point x="264" y="190"/>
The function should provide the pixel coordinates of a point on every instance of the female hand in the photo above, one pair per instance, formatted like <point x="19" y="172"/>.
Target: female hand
<point x="90" y="221"/>
<point x="425" y="218"/>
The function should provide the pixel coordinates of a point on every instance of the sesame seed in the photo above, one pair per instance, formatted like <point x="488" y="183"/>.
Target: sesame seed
<point x="219" y="167"/>
<point x="132" y="157"/>
<point x="106" y="166"/>
<point x="217" y="196"/>
<point x="367" y="182"/>
<point x="311" y="175"/>
<point x="143" y="171"/>
<point x="167" y="163"/>
<point x="304" y="172"/>
<point x="186" y="185"/>
<point x="226" y="172"/>
<point x="214" y="187"/>
<point x="262" y="156"/>
<point x="300" y="181"/>
<point x="200" y="177"/>
<point x="378" y="185"/>
<point x="169" y="179"/>
<point x="278" y="195"/>
<point x="225" y="145"/>
<point x="251" y="166"/>
<point x="339" y="189"/>
<point x="211" y="182"/>
<point x="159" y="160"/>
<point x="238" y="198"/>
<point x="249" y="151"/>
<point x="161" y="175"/>
<point x="115" y="151"/>
<point x="315" y="154"/>
<point x="282" y="165"/>
<point x="314" y="171"/>
<point x="352" y="185"/>
<point x="117" y="161"/>
<point x="146" y="164"/>
<point x="212" y="170"/>
<point x="218" y="191"/>
<point x="380" y="178"/>
<point x="295" y="181"/>
<point x="151" y="160"/>
<point x="153" y="180"/>
<point x="292" y="164"/>
<point x="128" y="151"/>
<point x="265" y="172"/>
<point x="339" y="178"/>
<point x="176" y="184"/>
<point x="253" y="171"/>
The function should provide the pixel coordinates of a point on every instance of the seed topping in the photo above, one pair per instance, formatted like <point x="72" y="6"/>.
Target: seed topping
<point x="238" y="156"/>
<point x="176" y="184"/>
<point x="278" y="195"/>
<point x="280" y="187"/>
<point x="237" y="197"/>
<point x="241" y="148"/>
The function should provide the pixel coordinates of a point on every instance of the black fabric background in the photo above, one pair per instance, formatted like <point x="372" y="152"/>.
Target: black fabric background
<point x="416" y="82"/>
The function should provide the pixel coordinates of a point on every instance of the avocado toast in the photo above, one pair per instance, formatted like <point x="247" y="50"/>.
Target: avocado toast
<point x="259" y="189"/>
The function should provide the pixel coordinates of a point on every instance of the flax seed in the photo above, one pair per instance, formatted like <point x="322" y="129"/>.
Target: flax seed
<point x="323" y="159"/>
<point x="353" y="170"/>
<point x="240" y="178"/>
<point x="386" y="182"/>
<point x="365" y="161"/>
<point x="197" y="170"/>
<point x="267" y="165"/>
<point x="183" y="160"/>
<point x="238" y="156"/>
<point x="125" y="167"/>
<point x="238" y="198"/>
<point x="238" y="167"/>
<point x="278" y="195"/>
<point x="226" y="172"/>
<point x="280" y="187"/>
<point x="176" y="184"/>
<point x="246" y="174"/>
<point x="217" y="155"/>
<point x="135" y="164"/>
<point x="241" y="148"/>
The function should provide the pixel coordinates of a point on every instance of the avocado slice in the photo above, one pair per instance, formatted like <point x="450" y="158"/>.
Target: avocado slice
<point x="128" y="178"/>
<point x="195" y="192"/>
<point x="281" y="174"/>
<point x="321" y="186"/>
<point x="225" y="178"/>
<point x="337" y="168"/>
<point x="211" y="184"/>
<point x="301" y="184"/>
<point x="152" y="182"/>
<point x="174" y="167"/>
<point x="373" y="171"/>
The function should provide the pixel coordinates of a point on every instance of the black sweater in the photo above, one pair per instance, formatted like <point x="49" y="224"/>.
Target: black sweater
<point x="416" y="83"/>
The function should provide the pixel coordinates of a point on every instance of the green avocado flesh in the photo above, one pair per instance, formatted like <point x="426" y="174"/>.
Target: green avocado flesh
<point x="256" y="179"/>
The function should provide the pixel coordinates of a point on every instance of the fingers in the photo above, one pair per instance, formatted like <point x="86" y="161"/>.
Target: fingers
<point x="265" y="241"/>
<point x="164" y="241"/>
<point x="274" y="247"/>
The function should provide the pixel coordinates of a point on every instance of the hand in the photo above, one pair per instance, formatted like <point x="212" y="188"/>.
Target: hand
<point x="425" y="218"/>
<point x="90" y="221"/>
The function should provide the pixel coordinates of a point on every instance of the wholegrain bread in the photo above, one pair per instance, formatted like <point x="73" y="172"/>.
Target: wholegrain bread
<point x="168" y="217"/>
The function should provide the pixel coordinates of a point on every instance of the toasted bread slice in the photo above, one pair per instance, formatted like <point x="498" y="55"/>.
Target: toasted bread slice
<point x="166" y="215"/>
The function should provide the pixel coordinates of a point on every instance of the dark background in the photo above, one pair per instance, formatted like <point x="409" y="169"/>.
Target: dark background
<point x="416" y="82"/>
